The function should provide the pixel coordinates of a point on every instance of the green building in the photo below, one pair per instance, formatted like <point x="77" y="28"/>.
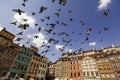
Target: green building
<point x="21" y="63"/>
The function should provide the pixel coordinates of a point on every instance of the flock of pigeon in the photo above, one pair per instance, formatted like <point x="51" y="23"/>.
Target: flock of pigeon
<point x="52" y="26"/>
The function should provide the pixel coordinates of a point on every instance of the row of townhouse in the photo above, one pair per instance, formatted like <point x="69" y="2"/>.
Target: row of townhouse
<point x="17" y="60"/>
<point x="93" y="64"/>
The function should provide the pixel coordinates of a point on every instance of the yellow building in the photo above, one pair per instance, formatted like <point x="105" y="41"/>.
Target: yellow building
<point x="6" y="38"/>
<point x="58" y="70"/>
<point x="6" y="42"/>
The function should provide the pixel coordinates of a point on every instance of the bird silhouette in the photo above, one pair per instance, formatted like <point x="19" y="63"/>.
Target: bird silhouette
<point x="23" y="4"/>
<point x="48" y="30"/>
<point x="20" y="33"/>
<point x="89" y="29"/>
<point x="33" y="13"/>
<point x="36" y="36"/>
<point x="24" y="26"/>
<point x="25" y="1"/>
<point x="57" y="14"/>
<point x="64" y="24"/>
<point x="14" y="23"/>
<point x="57" y="22"/>
<point x="70" y="11"/>
<point x="53" y="1"/>
<point x="106" y="12"/>
<point x="42" y="20"/>
<point x="18" y="39"/>
<point x="18" y="11"/>
<point x="48" y="17"/>
<point x="71" y="19"/>
<point x="52" y="25"/>
<point x="25" y="20"/>
<point x="39" y="29"/>
<point x="82" y="22"/>
<point x="63" y="2"/>
<point x="42" y="8"/>
<point x="105" y="28"/>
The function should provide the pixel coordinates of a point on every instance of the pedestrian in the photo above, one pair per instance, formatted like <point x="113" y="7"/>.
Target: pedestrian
<point x="17" y="78"/>
<point x="3" y="77"/>
<point x="31" y="78"/>
<point x="21" y="77"/>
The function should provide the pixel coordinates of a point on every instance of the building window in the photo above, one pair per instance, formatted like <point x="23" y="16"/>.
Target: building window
<point x="1" y="41"/>
<point x="118" y="56"/>
<point x="83" y="73"/>
<point x="74" y="74"/>
<point x="114" y="65"/>
<point x="92" y="74"/>
<point x="107" y="75"/>
<point x="71" y="75"/>
<point x="102" y="75"/>
<point x="97" y="74"/>
<point x="88" y="74"/>
<point x="78" y="74"/>
<point x="112" y="76"/>
<point x="111" y="58"/>
<point x="74" y="67"/>
<point x="118" y="73"/>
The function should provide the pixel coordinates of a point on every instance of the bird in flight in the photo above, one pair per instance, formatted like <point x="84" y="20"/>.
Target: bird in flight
<point x="18" y="11"/>
<point x="20" y="33"/>
<point x="82" y="23"/>
<point x="63" y="2"/>
<point x="24" y="20"/>
<point x="106" y="12"/>
<point x="18" y="39"/>
<point x="36" y="36"/>
<point x="42" y="9"/>
<point x="23" y="26"/>
<point x="33" y="13"/>
<point x="89" y="30"/>
<point x="25" y="1"/>
<point x="14" y="23"/>
<point x="105" y="28"/>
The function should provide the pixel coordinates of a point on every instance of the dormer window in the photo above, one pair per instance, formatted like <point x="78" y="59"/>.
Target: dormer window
<point x="102" y="55"/>
<point x="108" y="52"/>
<point x="113" y="51"/>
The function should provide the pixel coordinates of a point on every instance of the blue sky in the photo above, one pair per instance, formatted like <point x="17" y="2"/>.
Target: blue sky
<point x="89" y="11"/>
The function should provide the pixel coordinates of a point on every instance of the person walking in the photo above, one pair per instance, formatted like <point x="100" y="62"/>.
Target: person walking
<point x="31" y="78"/>
<point x="21" y="77"/>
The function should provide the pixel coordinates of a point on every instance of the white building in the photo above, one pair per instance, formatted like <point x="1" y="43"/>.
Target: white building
<point x="89" y="69"/>
<point x="42" y="68"/>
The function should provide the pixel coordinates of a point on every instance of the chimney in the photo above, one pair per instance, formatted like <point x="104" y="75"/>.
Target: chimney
<point x="112" y="46"/>
<point x="102" y="48"/>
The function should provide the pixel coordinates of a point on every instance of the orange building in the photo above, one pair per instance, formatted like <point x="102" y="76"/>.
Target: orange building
<point x="51" y="71"/>
<point x="75" y="67"/>
<point x="6" y="38"/>
<point x="34" y="64"/>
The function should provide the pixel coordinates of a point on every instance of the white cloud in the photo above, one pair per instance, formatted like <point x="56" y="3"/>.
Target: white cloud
<point x="92" y="44"/>
<point x="1" y="27"/>
<point x="38" y="41"/>
<point x="59" y="47"/>
<point x="69" y="50"/>
<point x="19" y="19"/>
<point x="103" y="4"/>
